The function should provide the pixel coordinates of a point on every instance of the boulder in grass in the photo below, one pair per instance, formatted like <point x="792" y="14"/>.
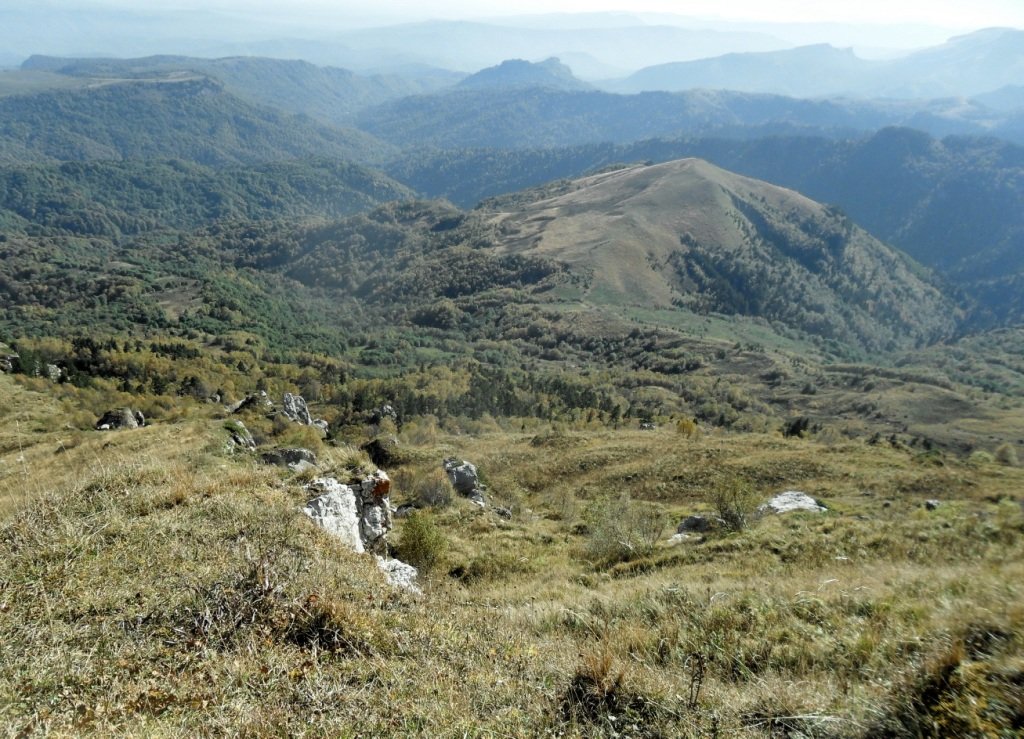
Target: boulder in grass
<point x="122" y="418"/>
<point x="258" y="402"/>
<point x="399" y="573"/>
<point x="697" y="524"/>
<point x="241" y="437"/>
<point x="359" y="514"/>
<point x="792" y="500"/>
<point x="335" y="510"/>
<point x="465" y="479"/>
<point x="292" y="458"/>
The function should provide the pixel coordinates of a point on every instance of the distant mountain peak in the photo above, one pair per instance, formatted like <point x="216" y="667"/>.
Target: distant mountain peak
<point x="513" y="73"/>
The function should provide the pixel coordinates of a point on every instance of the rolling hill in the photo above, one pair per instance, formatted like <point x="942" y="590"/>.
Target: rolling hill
<point x="518" y="73"/>
<point x="691" y="235"/>
<point x="956" y="204"/>
<point x="181" y="116"/>
<point x="116" y="199"/>
<point x="807" y="71"/>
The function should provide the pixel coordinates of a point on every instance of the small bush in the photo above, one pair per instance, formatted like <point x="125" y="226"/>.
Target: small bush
<point x="332" y="625"/>
<point x="598" y="695"/>
<point x="796" y="427"/>
<point x="940" y="699"/>
<point x="981" y="457"/>
<point x="423" y="545"/>
<point x="563" y="504"/>
<point x="623" y="529"/>
<point x="688" y="427"/>
<point x="1006" y="454"/>
<point x="735" y="501"/>
<point x="434" y="489"/>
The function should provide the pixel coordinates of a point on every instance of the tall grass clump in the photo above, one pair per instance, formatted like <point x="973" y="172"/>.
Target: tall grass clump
<point x="621" y="529"/>
<point x="1006" y="455"/>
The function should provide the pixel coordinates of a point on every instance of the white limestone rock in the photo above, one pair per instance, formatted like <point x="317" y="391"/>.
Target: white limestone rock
<point x="335" y="511"/>
<point x="792" y="500"/>
<point x="399" y="574"/>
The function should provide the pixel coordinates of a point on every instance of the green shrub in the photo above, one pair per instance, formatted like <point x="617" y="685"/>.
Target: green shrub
<point x="423" y="544"/>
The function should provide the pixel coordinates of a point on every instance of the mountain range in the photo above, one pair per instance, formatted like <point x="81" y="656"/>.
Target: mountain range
<point x="329" y="94"/>
<point x="177" y="143"/>
<point x="964" y="66"/>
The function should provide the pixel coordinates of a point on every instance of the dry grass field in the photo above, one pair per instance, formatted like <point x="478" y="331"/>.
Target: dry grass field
<point x="153" y="583"/>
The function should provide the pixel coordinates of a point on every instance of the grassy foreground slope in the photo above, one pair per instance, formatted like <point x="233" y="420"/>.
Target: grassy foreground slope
<point x="153" y="583"/>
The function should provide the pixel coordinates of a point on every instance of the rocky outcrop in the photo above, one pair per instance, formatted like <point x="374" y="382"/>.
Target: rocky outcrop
<point x="370" y="503"/>
<point x="359" y="514"/>
<point x="258" y="402"/>
<point x="295" y="409"/>
<point x="123" y="418"/>
<point x="792" y="500"/>
<point x="383" y="451"/>
<point x="241" y="437"/>
<point x="465" y="479"/>
<point x="386" y="411"/>
<point x="334" y="510"/>
<point x="8" y="362"/>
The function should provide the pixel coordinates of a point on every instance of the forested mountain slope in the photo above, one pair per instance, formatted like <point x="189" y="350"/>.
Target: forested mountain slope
<point x="184" y="118"/>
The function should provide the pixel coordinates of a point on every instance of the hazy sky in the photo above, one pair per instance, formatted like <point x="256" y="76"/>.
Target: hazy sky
<point x="970" y="14"/>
